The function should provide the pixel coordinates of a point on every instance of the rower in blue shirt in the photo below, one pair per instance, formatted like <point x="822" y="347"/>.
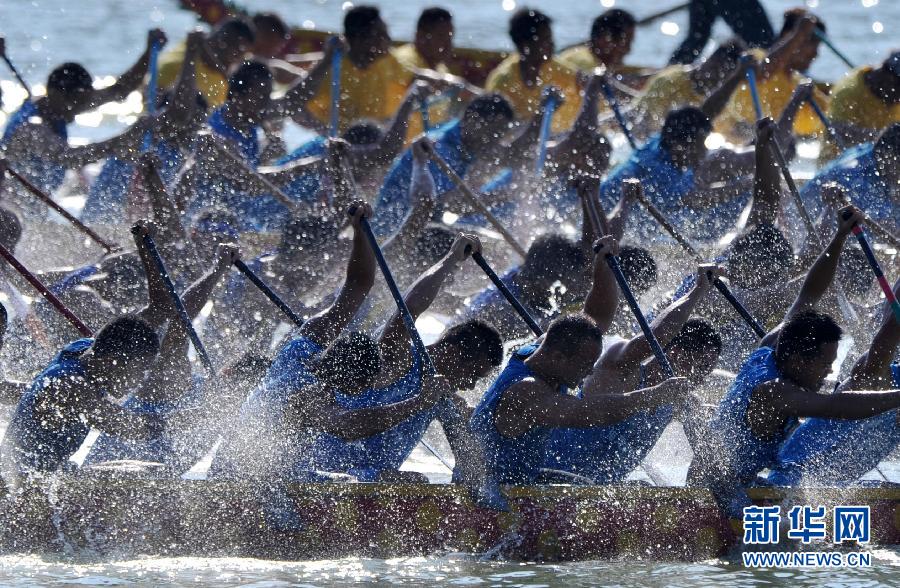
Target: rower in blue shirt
<point x="833" y="452"/>
<point x="869" y="174"/>
<point x="608" y="454"/>
<point x="530" y="397"/>
<point x="777" y="385"/>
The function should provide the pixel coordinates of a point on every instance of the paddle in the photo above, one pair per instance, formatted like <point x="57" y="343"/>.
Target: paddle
<point x="549" y="108"/>
<point x="876" y="268"/>
<point x="617" y="112"/>
<point x="407" y="317"/>
<point x="46" y="199"/>
<point x="824" y="38"/>
<point x="510" y="297"/>
<point x="45" y="292"/>
<point x="16" y="73"/>
<point x="825" y="122"/>
<point x="662" y="14"/>
<point x="754" y="91"/>
<point x="176" y="300"/>
<point x="270" y="294"/>
<point x="336" y="58"/>
<point x="152" y="83"/>
<point x="474" y="200"/>
<point x="718" y="283"/>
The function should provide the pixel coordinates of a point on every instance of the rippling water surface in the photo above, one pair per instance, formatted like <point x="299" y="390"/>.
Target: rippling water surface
<point x="107" y="35"/>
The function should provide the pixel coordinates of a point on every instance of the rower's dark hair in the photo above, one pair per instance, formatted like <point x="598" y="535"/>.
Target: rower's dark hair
<point x="792" y="18"/>
<point x="729" y="51"/>
<point x="490" y="107"/>
<point x="249" y="75"/>
<point x="639" y="267"/>
<point x="69" y="77"/>
<point x="235" y="28"/>
<point x="307" y="232"/>
<point x="524" y="25"/>
<point x="570" y="331"/>
<point x="697" y="335"/>
<point x="359" y="20"/>
<point x="434" y="242"/>
<point x="350" y="360"/>
<point x="888" y="144"/>
<point x="433" y="16"/>
<point x="475" y="339"/>
<point x="761" y="247"/>
<point x="553" y="257"/>
<point x="363" y="132"/>
<point x="250" y="368"/>
<point x="10" y="228"/>
<point x="270" y="21"/>
<point x="803" y="335"/>
<point x="684" y="125"/>
<point x="614" y="23"/>
<point x="126" y="336"/>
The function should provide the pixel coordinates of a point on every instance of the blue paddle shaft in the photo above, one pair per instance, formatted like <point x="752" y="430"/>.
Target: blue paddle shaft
<point x="754" y="92"/>
<point x="510" y="297"/>
<point x="179" y="305"/>
<point x="153" y="69"/>
<point x="614" y="106"/>
<point x="335" y="92"/>
<point x="658" y="352"/>
<point x="740" y="308"/>
<point x="546" y="121"/>
<point x="825" y="122"/>
<point x="270" y="294"/>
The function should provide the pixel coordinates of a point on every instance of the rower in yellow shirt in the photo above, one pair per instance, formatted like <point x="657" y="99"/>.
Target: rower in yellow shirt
<point x="863" y="104"/>
<point x="373" y="81"/>
<point x="612" y="34"/>
<point x="223" y="49"/>
<point x="679" y="85"/>
<point x="521" y="77"/>
<point x="780" y="72"/>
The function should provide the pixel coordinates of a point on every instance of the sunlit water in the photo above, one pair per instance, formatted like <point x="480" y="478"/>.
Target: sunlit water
<point x="107" y="35"/>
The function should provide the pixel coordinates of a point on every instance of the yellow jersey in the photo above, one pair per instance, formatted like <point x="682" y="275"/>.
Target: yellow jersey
<point x="853" y="103"/>
<point x="371" y="93"/>
<point x="210" y="81"/>
<point x="409" y="58"/>
<point x="774" y="94"/>
<point x="525" y="100"/>
<point x="669" y="89"/>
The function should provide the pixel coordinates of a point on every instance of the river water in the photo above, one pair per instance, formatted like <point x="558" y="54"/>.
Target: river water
<point x="107" y="35"/>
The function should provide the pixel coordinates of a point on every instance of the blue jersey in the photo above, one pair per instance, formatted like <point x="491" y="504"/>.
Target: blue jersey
<point x="37" y="447"/>
<point x="262" y="420"/>
<point x="836" y="452"/>
<point x="387" y="450"/>
<point x="162" y="448"/>
<point x="510" y="460"/>
<point x="666" y="185"/>
<point x="108" y="193"/>
<point x="304" y="186"/>
<point x="46" y="175"/>
<point x="393" y="203"/>
<point x="857" y="171"/>
<point x="608" y="454"/>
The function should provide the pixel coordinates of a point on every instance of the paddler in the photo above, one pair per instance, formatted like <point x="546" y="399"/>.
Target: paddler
<point x="778" y="384"/>
<point x="612" y="34"/>
<point x="531" y="396"/>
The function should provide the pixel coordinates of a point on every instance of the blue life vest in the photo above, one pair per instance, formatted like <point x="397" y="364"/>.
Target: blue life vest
<point x="38" y="448"/>
<point x="392" y="204"/>
<point x="387" y="450"/>
<point x="161" y="448"/>
<point x="747" y="453"/>
<point x="107" y="196"/>
<point x="857" y="171"/>
<point x="836" y="452"/>
<point x="304" y="186"/>
<point x="46" y="175"/>
<point x="608" y="454"/>
<point x="515" y="460"/>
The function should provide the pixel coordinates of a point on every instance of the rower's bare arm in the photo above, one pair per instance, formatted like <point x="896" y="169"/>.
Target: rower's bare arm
<point x="795" y="401"/>
<point x="133" y="77"/>
<point x="767" y="177"/>
<point x="327" y="325"/>
<point x="395" y="135"/>
<point x="875" y="362"/>
<point x="715" y="103"/>
<point x="628" y="354"/>
<point x="422" y="195"/>
<point x="603" y="297"/>
<point x="296" y="98"/>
